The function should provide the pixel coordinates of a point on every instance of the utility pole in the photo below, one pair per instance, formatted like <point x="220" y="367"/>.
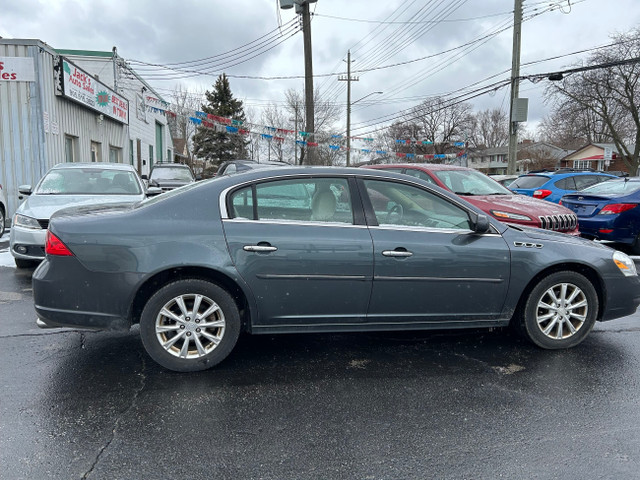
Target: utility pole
<point x="302" y="8"/>
<point x="308" y="77"/>
<point x="348" y="79"/>
<point x="515" y="87"/>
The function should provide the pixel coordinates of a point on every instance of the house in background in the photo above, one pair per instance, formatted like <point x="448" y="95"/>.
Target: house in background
<point x="596" y="156"/>
<point x="531" y="156"/>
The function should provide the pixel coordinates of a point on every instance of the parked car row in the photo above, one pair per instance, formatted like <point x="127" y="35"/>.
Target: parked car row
<point x="491" y="197"/>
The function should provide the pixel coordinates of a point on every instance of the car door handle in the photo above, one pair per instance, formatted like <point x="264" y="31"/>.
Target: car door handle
<point x="259" y="248"/>
<point x="396" y="253"/>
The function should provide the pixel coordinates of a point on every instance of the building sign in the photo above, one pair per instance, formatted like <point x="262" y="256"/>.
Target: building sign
<point x="79" y="86"/>
<point x="17" y="69"/>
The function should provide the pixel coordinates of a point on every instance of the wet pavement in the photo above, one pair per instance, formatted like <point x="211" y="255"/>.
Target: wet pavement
<point x="475" y="405"/>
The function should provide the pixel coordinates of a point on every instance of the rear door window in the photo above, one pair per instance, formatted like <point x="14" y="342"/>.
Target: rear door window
<point x="566" y="184"/>
<point x="529" y="181"/>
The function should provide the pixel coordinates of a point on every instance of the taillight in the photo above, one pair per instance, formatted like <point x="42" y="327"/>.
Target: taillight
<point x="541" y="193"/>
<point x="54" y="246"/>
<point x="616" y="208"/>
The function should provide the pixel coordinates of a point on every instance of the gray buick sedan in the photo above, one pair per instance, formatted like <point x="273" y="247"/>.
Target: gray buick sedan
<point x="318" y="250"/>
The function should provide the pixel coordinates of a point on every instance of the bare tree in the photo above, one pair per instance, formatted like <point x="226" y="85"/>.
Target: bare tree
<point x="184" y="104"/>
<point x="611" y="95"/>
<point x="489" y="129"/>
<point x="441" y="121"/>
<point x="326" y="114"/>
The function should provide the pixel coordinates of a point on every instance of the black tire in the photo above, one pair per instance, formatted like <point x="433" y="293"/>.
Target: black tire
<point x="202" y="342"/>
<point x="635" y="246"/>
<point x="2" y="221"/>
<point x="546" y="319"/>
<point x="22" y="263"/>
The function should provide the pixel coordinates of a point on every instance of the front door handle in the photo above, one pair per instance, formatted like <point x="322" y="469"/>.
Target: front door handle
<point x="259" y="248"/>
<point x="397" y="253"/>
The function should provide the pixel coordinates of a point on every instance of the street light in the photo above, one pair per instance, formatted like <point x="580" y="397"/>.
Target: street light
<point x="349" y="103"/>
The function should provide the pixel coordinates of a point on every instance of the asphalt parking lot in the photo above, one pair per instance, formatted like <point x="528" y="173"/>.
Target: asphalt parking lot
<point x="467" y="404"/>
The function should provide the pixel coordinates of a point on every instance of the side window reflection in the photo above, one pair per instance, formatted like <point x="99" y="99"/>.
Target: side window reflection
<point x="298" y="200"/>
<point x="398" y="204"/>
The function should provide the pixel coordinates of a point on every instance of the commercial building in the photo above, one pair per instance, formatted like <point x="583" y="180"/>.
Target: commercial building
<point x="72" y="106"/>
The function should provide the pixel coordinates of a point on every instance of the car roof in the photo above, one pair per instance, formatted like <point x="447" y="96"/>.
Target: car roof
<point x="170" y="165"/>
<point x="103" y="165"/>
<point x="424" y="166"/>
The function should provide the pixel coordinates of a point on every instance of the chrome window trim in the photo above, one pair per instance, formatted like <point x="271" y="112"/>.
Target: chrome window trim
<point x="366" y="173"/>
<point x="292" y="222"/>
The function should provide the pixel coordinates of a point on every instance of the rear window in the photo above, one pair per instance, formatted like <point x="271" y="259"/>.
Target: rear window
<point x="613" y="187"/>
<point x="529" y="181"/>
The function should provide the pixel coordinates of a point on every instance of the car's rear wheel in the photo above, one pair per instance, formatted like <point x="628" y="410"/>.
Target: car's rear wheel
<point x="560" y="311"/>
<point x="190" y="325"/>
<point x="2" y="220"/>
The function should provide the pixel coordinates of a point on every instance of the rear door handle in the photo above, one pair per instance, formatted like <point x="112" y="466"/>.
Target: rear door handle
<point x="396" y="253"/>
<point x="259" y="248"/>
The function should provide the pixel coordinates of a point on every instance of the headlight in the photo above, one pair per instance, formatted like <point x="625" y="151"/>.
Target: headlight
<point x="625" y="264"/>
<point x="26" y="222"/>
<point x="509" y="215"/>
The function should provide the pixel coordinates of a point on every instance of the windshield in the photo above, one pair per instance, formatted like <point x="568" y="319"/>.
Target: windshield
<point x="529" y="181"/>
<point x="620" y="187"/>
<point x="168" y="173"/>
<point x="89" y="181"/>
<point x="470" y="182"/>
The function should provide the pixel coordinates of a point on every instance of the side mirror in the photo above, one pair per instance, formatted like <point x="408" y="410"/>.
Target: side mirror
<point x="24" y="189"/>
<point x="144" y="177"/>
<point x="481" y="224"/>
<point x="152" y="191"/>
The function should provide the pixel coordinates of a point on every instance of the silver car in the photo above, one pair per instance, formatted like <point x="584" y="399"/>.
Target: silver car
<point x="67" y="185"/>
<point x="3" y="211"/>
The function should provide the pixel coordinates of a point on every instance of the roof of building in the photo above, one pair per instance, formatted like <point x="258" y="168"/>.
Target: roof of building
<point x="107" y="55"/>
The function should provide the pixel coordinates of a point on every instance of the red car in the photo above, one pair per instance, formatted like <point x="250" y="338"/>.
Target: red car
<point x="491" y="197"/>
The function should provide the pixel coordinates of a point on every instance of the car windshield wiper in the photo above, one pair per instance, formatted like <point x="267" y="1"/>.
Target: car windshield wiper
<point x="464" y="193"/>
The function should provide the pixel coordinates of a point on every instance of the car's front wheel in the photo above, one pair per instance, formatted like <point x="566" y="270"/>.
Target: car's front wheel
<point x="22" y="263"/>
<point x="190" y="325"/>
<point x="560" y="311"/>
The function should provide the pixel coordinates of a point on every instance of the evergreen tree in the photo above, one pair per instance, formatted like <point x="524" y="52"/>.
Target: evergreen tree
<point x="214" y="145"/>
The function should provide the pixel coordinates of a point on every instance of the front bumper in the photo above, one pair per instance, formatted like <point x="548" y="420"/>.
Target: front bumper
<point x="27" y="243"/>
<point x="622" y="297"/>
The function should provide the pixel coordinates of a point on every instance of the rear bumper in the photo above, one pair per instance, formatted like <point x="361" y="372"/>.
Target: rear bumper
<point x="70" y="295"/>
<point x="591" y="228"/>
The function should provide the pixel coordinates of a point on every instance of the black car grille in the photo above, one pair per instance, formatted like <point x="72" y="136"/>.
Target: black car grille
<point x="44" y="224"/>
<point x="560" y="223"/>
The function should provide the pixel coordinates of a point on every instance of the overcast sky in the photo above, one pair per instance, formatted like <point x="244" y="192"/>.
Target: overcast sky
<point x="398" y="43"/>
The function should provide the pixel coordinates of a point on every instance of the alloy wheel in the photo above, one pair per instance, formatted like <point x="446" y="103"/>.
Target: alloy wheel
<point x="561" y="311"/>
<point x="190" y="326"/>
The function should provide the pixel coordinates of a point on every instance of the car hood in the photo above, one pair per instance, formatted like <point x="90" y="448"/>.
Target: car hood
<point x="43" y="206"/>
<point x="530" y="206"/>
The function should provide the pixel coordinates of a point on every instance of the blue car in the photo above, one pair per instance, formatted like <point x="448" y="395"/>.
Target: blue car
<point x="609" y="211"/>
<point x="551" y="186"/>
